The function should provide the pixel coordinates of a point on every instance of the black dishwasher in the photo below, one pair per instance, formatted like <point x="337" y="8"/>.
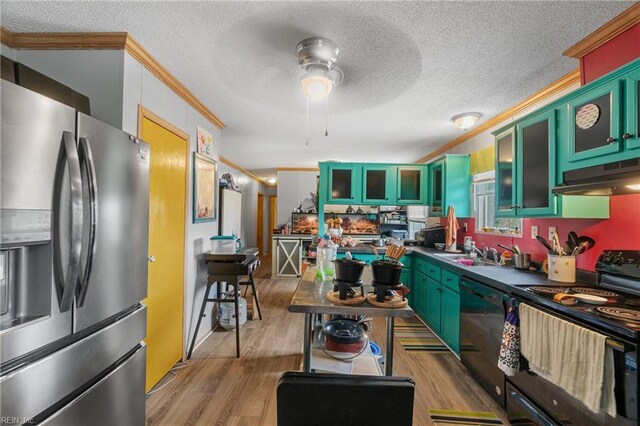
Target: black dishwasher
<point x="481" y="323"/>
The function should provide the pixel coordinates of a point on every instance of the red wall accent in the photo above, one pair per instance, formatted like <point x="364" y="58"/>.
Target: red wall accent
<point x="618" y="51"/>
<point x="620" y="231"/>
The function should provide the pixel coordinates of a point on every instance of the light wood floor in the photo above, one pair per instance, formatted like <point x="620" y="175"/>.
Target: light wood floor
<point x="218" y="389"/>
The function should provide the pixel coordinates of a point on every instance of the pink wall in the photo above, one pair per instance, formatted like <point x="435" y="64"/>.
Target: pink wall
<point x="620" y="231"/>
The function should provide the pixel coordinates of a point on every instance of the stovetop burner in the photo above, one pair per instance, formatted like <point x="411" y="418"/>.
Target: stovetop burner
<point x="546" y="290"/>
<point x="594" y="292"/>
<point x="622" y="314"/>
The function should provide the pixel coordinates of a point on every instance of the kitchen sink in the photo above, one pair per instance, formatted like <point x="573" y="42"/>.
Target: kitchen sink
<point x="454" y="257"/>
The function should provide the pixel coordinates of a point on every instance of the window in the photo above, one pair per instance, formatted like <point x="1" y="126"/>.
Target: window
<point x="483" y="201"/>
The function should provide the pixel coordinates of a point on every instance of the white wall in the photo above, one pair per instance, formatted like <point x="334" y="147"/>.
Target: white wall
<point x="142" y="87"/>
<point x="293" y="188"/>
<point x="96" y="74"/>
<point x="8" y="52"/>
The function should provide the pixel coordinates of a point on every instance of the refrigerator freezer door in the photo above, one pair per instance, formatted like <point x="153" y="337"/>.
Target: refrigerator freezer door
<point x="32" y="127"/>
<point x="35" y="388"/>
<point x="117" y="399"/>
<point x="118" y="257"/>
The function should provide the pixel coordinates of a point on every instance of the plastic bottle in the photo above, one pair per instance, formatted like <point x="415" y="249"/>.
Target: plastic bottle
<point x="327" y="251"/>
<point x="473" y="253"/>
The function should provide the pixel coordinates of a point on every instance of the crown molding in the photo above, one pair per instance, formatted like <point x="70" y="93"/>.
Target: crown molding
<point x="608" y="31"/>
<point x="109" y="41"/>
<point x="246" y="172"/>
<point x="559" y="85"/>
<point x="297" y="169"/>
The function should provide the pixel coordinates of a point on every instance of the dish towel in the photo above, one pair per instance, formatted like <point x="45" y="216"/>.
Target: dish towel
<point x="571" y="357"/>
<point x="451" y="229"/>
<point x="509" y="358"/>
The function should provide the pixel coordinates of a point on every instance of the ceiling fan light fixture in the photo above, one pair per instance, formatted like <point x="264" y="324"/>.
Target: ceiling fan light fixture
<point x="465" y="120"/>
<point x="316" y="85"/>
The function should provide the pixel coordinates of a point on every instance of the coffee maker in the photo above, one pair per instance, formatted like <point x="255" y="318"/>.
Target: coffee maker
<point x="427" y="237"/>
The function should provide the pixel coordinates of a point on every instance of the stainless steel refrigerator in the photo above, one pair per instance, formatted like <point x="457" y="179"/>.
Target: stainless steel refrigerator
<point x="74" y="202"/>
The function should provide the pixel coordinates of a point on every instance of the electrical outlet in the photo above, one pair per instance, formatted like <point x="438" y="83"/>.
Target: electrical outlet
<point x="552" y="232"/>
<point x="534" y="232"/>
<point x="465" y="227"/>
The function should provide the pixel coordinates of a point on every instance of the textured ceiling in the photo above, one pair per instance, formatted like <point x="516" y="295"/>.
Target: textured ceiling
<point x="409" y="66"/>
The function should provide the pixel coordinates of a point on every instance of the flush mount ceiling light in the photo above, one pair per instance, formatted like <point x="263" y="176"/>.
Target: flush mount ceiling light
<point x="317" y="58"/>
<point x="466" y="120"/>
<point x="272" y="180"/>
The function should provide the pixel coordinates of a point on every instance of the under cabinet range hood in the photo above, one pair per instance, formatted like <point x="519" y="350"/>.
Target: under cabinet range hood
<point x="622" y="177"/>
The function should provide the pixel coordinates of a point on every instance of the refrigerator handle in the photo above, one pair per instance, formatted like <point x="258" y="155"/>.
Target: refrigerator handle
<point x="88" y="166"/>
<point x="66" y="285"/>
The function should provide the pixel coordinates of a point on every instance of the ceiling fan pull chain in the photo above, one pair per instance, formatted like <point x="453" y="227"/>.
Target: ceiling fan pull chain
<point x="326" y="116"/>
<point x="307" y="121"/>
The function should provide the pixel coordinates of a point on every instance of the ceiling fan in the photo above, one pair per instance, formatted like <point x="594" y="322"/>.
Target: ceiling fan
<point x="317" y="57"/>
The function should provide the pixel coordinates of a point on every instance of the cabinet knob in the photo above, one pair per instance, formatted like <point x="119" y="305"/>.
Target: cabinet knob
<point x="611" y="139"/>
<point x="627" y="136"/>
<point x="152" y="259"/>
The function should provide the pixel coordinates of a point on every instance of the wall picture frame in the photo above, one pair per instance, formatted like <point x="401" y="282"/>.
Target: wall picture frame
<point x="205" y="143"/>
<point x="205" y="188"/>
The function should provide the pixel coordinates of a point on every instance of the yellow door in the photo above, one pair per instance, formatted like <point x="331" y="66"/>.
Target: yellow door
<point x="166" y="245"/>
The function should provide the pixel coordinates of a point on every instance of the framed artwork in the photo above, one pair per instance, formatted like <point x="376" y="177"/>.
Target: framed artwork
<point x="205" y="188"/>
<point x="205" y="143"/>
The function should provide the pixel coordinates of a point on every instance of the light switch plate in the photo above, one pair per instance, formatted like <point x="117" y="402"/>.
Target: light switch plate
<point x="534" y="232"/>
<point x="552" y="231"/>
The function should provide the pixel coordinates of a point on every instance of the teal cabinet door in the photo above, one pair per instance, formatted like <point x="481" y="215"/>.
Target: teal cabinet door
<point x="411" y="185"/>
<point x="437" y="188"/>
<point x="450" y="329"/>
<point x="378" y="184"/>
<point x="593" y="128"/>
<point x="433" y="304"/>
<point x="343" y="184"/>
<point x="420" y="296"/>
<point x="505" y="173"/>
<point x="405" y="278"/>
<point x="536" y="165"/>
<point x="630" y="135"/>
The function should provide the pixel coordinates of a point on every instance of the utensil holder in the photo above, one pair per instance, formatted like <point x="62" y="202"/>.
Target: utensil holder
<point x="562" y="268"/>
<point x="521" y="261"/>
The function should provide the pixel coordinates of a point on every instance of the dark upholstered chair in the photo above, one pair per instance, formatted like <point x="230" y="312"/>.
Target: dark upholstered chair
<point x="313" y="399"/>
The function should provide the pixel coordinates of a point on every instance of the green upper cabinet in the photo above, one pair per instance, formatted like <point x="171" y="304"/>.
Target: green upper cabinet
<point x="526" y="170"/>
<point x="411" y="185"/>
<point x="378" y="184"/>
<point x="595" y="121"/>
<point x="598" y="123"/>
<point x="373" y="183"/>
<point x="343" y="183"/>
<point x="630" y="135"/>
<point x="535" y="165"/>
<point x="450" y="185"/>
<point x="505" y="173"/>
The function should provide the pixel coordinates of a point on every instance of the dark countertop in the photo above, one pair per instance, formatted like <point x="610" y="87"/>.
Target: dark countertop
<point x="514" y="282"/>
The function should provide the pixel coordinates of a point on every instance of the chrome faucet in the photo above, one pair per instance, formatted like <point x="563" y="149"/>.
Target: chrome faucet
<point x="494" y="253"/>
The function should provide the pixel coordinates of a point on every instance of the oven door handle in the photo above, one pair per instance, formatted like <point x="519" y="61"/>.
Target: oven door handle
<point x="535" y="412"/>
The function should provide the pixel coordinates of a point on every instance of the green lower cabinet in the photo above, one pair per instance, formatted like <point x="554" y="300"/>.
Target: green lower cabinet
<point x="405" y="278"/>
<point x="420" y="293"/>
<point x="450" y="327"/>
<point x="433" y="305"/>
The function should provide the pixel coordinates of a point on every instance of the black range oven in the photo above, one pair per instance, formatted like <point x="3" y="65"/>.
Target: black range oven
<point x="533" y="400"/>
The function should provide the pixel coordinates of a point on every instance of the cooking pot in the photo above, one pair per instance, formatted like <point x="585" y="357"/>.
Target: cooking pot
<point x="343" y="338"/>
<point x="349" y="270"/>
<point x="386" y="272"/>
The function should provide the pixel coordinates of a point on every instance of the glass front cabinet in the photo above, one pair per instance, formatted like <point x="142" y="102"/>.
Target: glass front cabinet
<point x="630" y="135"/>
<point x="505" y="173"/>
<point x="595" y="121"/>
<point x="343" y="184"/>
<point x="378" y="184"/>
<point x="411" y="185"/>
